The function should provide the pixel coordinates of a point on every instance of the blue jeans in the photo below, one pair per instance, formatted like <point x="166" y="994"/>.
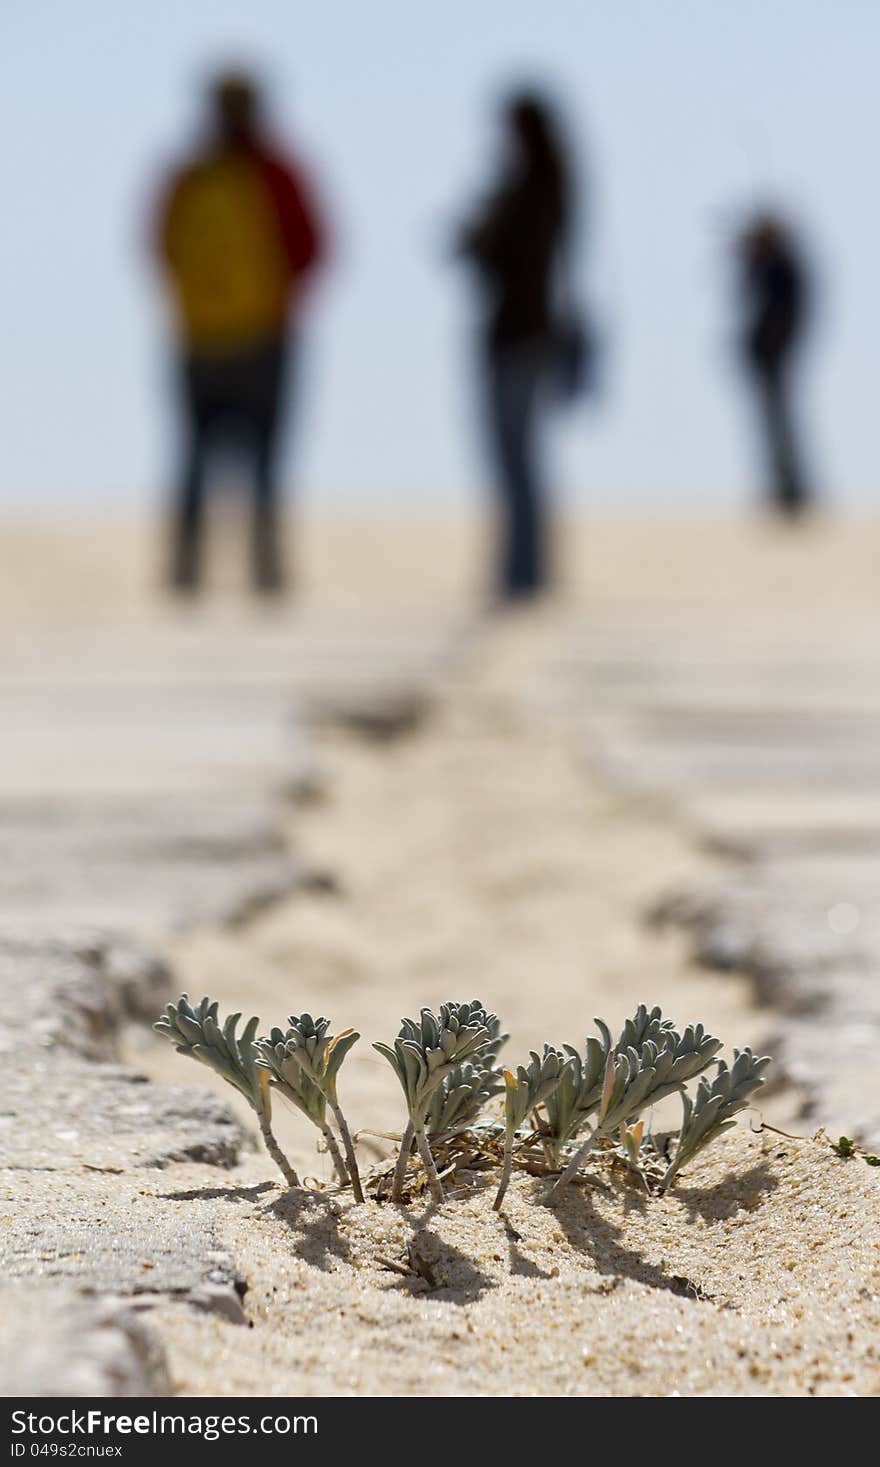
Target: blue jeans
<point x="789" y="490"/>
<point x="516" y="377"/>
<point x="233" y="397"/>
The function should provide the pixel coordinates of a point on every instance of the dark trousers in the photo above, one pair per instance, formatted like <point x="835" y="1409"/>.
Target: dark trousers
<point x="231" y="401"/>
<point x="788" y="490"/>
<point x="516" y="377"/>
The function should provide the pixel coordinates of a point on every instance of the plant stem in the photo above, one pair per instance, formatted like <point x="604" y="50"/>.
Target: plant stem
<point x="505" y="1172"/>
<point x="336" y="1155"/>
<point x="406" y="1142"/>
<point x="668" y="1178"/>
<point x="351" y="1159"/>
<point x="545" y="1144"/>
<point x="429" y="1164"/>
<point x="580" y="1155"/>
<point x="276" y="1153"/>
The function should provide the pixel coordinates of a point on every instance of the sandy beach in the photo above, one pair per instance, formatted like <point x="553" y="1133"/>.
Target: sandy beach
<point x="758" y="1277"/>
<point x="486" y="849"/>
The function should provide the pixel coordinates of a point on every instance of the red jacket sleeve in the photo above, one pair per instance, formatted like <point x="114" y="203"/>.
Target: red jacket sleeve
<point x="302" y="229"/>
<point x="160" y="219"/>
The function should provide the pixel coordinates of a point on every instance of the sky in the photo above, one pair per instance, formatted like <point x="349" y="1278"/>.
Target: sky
<point x="683" y="113"/>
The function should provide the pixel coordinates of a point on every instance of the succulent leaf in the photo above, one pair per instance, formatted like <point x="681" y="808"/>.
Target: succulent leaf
<point x="304" y="1062"/>
<point x="462" y="1094"/>
<point x="288" y="1077"/>
<point x="532" y="1085"/>
<point x="195" y="1032"/>
<point x="648" y="1042"/>
<point x="716" y="1102"/>
<point x="428" y="1050"/>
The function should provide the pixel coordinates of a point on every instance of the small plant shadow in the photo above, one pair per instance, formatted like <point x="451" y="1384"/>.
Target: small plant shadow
<point x="317" y="1239"/>
<point x="600" y="1240"/>
<point x="450" y="1275"/>
<point x="635" y="1195"/>
<point x="223" y="1194"/>
<point x="519" y="1263"/>
<point x="736" y="1191"/>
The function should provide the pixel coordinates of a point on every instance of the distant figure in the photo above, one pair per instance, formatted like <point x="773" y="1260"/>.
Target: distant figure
<point x="774" y="294"/>
<point x="517" y="243"/>
<point x="238" y="236"/>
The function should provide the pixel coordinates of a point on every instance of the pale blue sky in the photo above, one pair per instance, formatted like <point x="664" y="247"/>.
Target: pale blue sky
<point x="685" y="113"/>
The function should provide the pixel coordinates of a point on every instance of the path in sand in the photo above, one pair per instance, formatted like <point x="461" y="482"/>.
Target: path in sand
<point x="475" y="855"/>
<point x="577" y="766"/>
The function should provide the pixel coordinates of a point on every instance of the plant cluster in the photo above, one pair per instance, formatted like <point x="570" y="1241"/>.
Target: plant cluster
<point x="564" y="1101"/>
<point x="846" y="1147"/>
<point x="301" y="1063"/>
<point x="428" y="1058"/>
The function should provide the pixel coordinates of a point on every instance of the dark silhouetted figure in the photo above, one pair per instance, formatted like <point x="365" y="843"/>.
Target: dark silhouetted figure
<point x="238" y="235"/>
<point x="774" y="301"/>
<point x="517" y="244"/>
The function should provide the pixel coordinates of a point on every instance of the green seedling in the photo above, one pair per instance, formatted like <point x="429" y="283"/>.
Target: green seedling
<point x="529" y="1087"/>
<point x="578" y="1093"/>
<point x="197" y="1032"/>
<point x="715" y="1104"/>
<point x="580" y="1089"/>
<point x="640" y="1074"/>
<point x="847" y="1148"/>
<point x="459" y="1099"/>
<point x="304" y="1065"/>
<point x="424" y="1054"/>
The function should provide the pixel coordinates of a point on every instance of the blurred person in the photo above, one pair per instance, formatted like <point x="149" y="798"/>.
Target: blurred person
<point x="774" y="295"/>
<point x="518" y="244"/>
<point x="238" y="236"/>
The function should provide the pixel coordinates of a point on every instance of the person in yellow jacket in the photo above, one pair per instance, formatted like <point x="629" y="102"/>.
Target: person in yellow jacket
<point x="238" y="235"/>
